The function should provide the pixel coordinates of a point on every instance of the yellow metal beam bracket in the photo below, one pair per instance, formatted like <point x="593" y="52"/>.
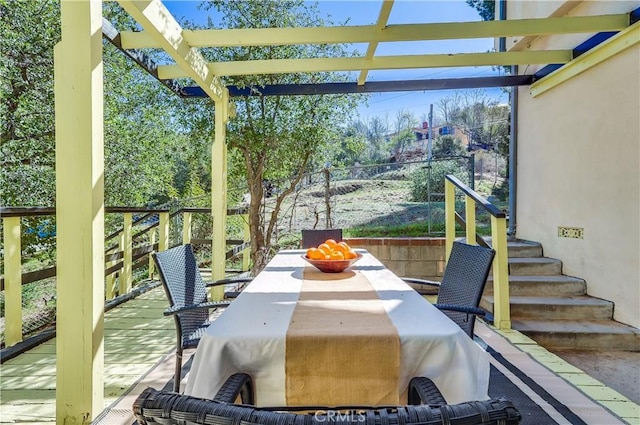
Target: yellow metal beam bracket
<point x="609" y="48"/>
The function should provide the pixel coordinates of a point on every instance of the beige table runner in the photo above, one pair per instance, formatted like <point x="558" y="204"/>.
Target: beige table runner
<point x="341" y="347"/>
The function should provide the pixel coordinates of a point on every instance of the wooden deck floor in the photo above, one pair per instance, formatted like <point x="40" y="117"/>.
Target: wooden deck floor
<point x="137" y="338"/>
<point x="139" y="352"/>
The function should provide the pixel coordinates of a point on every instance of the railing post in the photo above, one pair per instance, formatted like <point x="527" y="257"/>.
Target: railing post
<point x="470" y="219"/>
<point x="163" y="230"/>
<point x="501" y="307"/>
<point x="450" y="216"/>
<point x="152" y="264"/>
<point x="246" y="236"/>
<point x="12" y="280"/>
<point x="186" y="228"/>
<point x="127" y="242"/>
<point x="110" y="281"/>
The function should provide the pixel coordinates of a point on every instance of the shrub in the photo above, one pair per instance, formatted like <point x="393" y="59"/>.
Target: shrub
<point x="427" y="183"/>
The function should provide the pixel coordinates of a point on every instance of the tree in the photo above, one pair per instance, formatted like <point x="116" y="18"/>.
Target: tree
<point x="352" y="146"/>
<point x="447" y="146"/>
<point x="482" y="120"/>
<point x="486" y="8"/>
<point x="27" y="142"/>
<point x="278" y="138"/>
<point x="404" y="135"/>
<point x="376" y="131"/>
<point x="448" y="105"/>
<point x="150" y="135"/>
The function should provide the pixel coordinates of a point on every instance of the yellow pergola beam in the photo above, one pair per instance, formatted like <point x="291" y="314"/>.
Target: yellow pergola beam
<point x="616" y="44"/>
<point x="162" y="27"/>
<point x="383" y="18"/>
<point x="283" y="66"/>
<point x="245" y="37"/>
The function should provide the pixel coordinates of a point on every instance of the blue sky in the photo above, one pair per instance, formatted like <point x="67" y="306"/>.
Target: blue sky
<point x="365" y="12"/>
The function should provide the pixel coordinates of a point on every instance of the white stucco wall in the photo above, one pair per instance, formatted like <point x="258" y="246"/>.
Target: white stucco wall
<point x="578" y="166"/>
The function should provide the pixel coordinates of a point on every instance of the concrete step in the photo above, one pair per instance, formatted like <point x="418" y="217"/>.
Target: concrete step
<point x="580" y="335"/>
<point x="555" y="308"/>
<point x="534" y="266"/>
<point x="524" y="249"/>
<point x="521" y="248"/>
<point x="558" y="285"/>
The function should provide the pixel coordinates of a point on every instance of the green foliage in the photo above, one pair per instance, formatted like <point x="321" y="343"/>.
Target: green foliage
<point x="431" y="178"/>
<point x="486" y="8"/>
<point x="28" y="32"/>
<point x="447" y="146"/>
<point x="279" y="138"/>
<point x="483" y="120"/>
<point x="153" y="140"/>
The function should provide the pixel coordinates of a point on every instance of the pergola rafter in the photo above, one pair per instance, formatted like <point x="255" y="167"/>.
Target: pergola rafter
<point x="154" y="17"/>
<point x="383" y="18"/>
<point x="246" y="37"/>
<point x="282" y="66"/>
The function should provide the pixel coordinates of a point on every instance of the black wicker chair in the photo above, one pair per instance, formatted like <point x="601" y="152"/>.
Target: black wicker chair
<point x="163" y="407"/>
<point x="462" y="284"/>
<point x="187" y="294"/>
<point x="314" y="237"/>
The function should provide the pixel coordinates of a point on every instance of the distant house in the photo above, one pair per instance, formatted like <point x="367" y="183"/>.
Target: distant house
<point x="418" y="149"/>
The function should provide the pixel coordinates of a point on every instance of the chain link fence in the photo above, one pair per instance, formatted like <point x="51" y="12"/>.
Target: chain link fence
<point x="393" y="199"/>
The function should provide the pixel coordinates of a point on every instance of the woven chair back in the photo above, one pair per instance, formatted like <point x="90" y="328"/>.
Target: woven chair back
<point x="183" y="284"/>
<point x="314" y="237"/>
<point x="464" y="280"/>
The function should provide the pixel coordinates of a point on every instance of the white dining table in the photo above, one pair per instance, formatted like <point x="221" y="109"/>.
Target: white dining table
<point x="250" y="336"/>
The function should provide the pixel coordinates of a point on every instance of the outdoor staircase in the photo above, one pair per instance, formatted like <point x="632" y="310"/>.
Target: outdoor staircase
<point x="554" y="309"/>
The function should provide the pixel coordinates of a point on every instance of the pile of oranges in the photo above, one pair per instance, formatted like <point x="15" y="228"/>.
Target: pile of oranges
<point x="331" y="250"/>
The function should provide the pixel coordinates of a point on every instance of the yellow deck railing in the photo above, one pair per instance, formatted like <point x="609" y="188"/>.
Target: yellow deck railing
<point x="126" y="249"/>
<point x="501" y="308"/>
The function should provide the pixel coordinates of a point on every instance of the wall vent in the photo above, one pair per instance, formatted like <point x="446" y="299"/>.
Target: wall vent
<point x="571" y="232"/>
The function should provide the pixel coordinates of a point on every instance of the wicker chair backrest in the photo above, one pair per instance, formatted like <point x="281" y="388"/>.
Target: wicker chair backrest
<point x="314" y="237"/>
<point x="170" y="408"/>
<point x="464" y="280"/>
<point x="183" y="284"/>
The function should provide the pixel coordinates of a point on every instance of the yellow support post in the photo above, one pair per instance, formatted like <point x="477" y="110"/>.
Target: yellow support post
<point x="470" y="219"/>
<point x="219" y="195"/>
<point x="78" y="72"/>
<point x="246" y="236"/>
<point x="186" y="228"/>
<point x="501" y="306"/>
<point x="163" y="230"/>
<point x="126" y="276"/>
<point x="450" y="216"/>
<point x="152" y="264"/>
<point x="12" y="280"/>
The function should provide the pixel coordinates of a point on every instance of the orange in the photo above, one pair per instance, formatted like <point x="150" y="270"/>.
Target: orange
<point x="326" y="248"/>
<point x="340" y="248"/>
<point x="336" y="255"/>
<point x="344" y="244"/>
<point x="350" y="255"/>
<point x="331" y="242"/>
<point x="315" y="254"/>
